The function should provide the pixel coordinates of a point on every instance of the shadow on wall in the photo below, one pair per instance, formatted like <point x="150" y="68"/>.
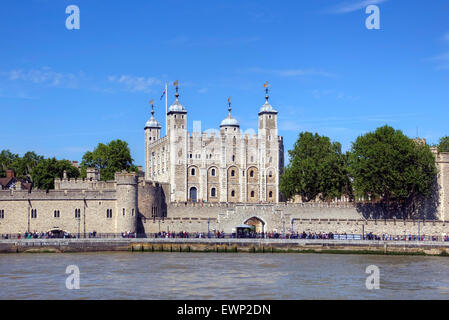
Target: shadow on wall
<point x="423" y="208"/>
<point x="152" y="203"/>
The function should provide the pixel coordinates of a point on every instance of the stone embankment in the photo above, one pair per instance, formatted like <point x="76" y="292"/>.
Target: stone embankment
<point x="226" y="245"/>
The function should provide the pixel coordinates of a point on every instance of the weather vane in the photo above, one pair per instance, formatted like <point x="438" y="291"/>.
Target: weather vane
<point x="229" y="103"/>
<point x="266" y="86"/>
<point x="176" y="85"/>
<point x="152" y="107"/>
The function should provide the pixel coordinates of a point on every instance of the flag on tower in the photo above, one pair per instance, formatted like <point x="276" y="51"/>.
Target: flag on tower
<point x="163" y="94"/>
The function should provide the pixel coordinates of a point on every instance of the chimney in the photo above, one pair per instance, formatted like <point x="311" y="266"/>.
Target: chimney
<point x="10" y="173"/>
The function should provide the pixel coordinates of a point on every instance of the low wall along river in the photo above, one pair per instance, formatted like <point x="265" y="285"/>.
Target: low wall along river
<point x="226" y="245"/>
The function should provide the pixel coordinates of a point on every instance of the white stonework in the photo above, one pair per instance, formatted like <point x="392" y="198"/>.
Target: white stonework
<point x="228" y="167"/>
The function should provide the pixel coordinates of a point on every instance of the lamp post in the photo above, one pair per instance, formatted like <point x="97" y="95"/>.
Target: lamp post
<point x="79" y="224"/>
<point x="208" y="227"/>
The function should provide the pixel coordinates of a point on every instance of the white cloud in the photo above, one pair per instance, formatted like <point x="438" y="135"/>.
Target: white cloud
<point x="44" y="75"/>
<point x="352" y="6"/>
<point x="136" y="83"/>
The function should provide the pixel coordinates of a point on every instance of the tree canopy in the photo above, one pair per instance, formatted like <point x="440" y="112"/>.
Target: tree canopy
<point x="388" y="166"/>
<point x="317" y="169"/>
<point x="47" y="170"/>
<point x="109" y="159"/>
<point x="35" y="168"/>
<point x="443" y="146"/>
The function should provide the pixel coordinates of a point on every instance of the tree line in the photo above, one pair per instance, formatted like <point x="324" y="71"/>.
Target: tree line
<point x="109" y="158"/>
<point x="384" y="166"/>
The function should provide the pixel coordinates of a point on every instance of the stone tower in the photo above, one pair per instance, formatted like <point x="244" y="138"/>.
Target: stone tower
<point x="270" y="157"/>
<point x="152" y="134"/>
<point x="126" y="217"/>
<point x="177" y="135"/>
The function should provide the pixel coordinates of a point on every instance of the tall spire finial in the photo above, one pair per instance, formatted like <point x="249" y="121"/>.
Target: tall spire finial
<point x="176" y="85"/>
<point x="152" y="107"/>
<point x="266" y="86"/>
<point x="229" y="106"/>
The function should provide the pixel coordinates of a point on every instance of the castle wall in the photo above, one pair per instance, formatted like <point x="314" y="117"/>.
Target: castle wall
<point x="35" y="211"/>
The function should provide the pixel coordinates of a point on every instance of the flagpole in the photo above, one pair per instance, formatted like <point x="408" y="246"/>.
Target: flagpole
<point x="166" y="110"/>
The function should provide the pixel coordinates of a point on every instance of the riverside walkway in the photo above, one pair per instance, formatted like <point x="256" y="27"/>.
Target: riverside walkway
<point x="225" y="245"/>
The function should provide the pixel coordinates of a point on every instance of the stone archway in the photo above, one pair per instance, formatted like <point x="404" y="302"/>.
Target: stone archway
<point x="256" y="222"/>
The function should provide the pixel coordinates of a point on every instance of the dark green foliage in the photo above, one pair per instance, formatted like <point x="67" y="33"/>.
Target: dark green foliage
<point x="109" y="159"/>
<point x="48" y="169"/>
<point x="317" y="169"/>
<point x="388" y="166"/>
<point x="443" y="146"/>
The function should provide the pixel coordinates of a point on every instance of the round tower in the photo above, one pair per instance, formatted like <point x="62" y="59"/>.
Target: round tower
<point x="126" y="189"/>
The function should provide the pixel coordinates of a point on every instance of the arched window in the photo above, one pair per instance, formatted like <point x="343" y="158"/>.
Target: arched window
<point x="232" y="173"/>
<point x="213" y="192"/>
<point x="123" y="211"/>
<point x="212" y="172"/>
<point x="77" y="213"/>
<point x="270" y="174"/>
<point x="251" y="173"/>
<point x="232" y="193"/>
<point x="192" y="171"/>
<point x="233" y="158"/>
<point x="252" y="194"/>
<point x="270" y="195"/>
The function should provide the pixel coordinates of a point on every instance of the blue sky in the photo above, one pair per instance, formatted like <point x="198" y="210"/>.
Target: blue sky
<point x="63" y="91"/>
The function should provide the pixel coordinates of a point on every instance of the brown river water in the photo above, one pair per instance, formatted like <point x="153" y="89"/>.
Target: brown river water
<point x="222" y="276"/>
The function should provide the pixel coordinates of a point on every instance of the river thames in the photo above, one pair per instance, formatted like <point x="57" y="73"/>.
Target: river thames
<point x="222" y="276"/>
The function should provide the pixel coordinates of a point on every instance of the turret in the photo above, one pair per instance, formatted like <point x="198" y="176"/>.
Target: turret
<point x="152" y="134"/>
<point x="177" y="135"/>
<point x="126" y="217"/>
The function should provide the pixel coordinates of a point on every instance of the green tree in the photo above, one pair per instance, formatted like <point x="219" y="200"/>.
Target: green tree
<point x="317" y="169"/>
<point x="443" y="146"/>
<point x="389" y="167"/>
<point x="109" y="159"/>
<point x="7" y="158"/>
<point x="47" y="170"/>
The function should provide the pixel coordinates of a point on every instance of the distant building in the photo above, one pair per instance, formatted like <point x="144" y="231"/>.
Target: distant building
<point x="10" y="182"/>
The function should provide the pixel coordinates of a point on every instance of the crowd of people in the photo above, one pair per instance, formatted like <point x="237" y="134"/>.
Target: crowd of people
<point x="221" y="234"/>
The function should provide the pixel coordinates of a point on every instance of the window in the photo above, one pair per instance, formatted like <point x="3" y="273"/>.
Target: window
<point x="132" y="212"/>
<point x="123" y="211"/>
<point x="252" y="158"/>
<point x="213" y="192"/>
<point x="252" y="194"/>
<point x="270" y="195"/>
<point x="2" y="214"/>
<point x="251" y="173"/>
<point x="233" y="158"/>
<point x="270" y="174"/>
<point x="109" y="213"/>
<point x="271" y="159"/>
<point x="77" y="213"/>
<point x="190" y="155"/>
<point x="212" y="172"/>
<point x="192" y="172"/>
<point x="232" y="173"/>
<point x="33" y="213"/>
<point x="57" y="214"/>
<point x="232" y="193"/>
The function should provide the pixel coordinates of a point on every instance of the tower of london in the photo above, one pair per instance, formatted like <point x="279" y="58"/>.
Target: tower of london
<point x="207" y="167"/>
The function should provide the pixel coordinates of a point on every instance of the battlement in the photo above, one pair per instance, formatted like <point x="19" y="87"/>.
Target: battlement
<point x="123" y="178"/>
<point x="158" y="142"/>
<point x="12" y="195"/>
